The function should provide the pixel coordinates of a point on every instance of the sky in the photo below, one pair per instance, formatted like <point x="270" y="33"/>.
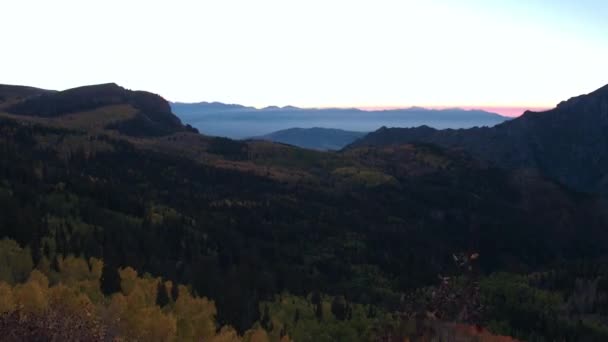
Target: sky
<point x="315" y="53"/>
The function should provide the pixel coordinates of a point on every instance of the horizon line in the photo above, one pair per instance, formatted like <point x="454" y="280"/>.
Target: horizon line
<point x="508" y="111"/>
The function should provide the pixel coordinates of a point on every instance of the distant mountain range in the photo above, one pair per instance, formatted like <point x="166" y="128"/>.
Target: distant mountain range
<point x="315" y="138"/>
<point x="237" y="122"/>
<point x="568" y="143"/>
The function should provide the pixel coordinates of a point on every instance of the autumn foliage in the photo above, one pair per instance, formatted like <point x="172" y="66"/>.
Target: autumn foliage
<point x="64" y="302"/>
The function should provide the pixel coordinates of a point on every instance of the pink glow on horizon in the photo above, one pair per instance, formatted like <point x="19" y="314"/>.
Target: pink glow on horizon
<point x="502" y="110"/>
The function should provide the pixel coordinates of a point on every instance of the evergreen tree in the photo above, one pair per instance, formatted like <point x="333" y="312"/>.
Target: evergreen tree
<point x="265" y="322"/>
<point x="316" y="298"/>
<point x="319" y="311"/>
<point x="162" y="298"/>
<point x="55" y="264"/>
<point x="339" y="308"/>
<point x="46" y="250"/>
<point x="110" y="279"/>
<point x="174" y="292"/>
<point x="371" y="312"/>
<point x="296" y="317"/>
<point x="36" y="250"/>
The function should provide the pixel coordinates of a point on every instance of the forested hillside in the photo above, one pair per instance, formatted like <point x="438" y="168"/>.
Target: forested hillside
<point x="268" y="230"/>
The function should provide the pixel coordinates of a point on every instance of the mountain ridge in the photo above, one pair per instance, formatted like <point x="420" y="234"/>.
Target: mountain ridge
<point x="569" y="143"/>
<point x="238" y="122"/>
<point x="153" y="115"/>
<point x="361" y="109"/>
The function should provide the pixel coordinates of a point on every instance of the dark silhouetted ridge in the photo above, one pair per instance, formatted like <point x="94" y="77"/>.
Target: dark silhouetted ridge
<point x="154" y="115"/>
<point x="17" y="92"/>
<point x="568" y="143"/>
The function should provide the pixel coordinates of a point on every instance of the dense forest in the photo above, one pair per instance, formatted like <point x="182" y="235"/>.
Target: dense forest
<point x="370" y="243"/>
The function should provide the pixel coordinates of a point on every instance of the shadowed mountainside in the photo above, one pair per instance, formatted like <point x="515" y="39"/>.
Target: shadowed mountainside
<point x="10" y="94"/>
<point x="314" y="138"/>
<point x="568" y="143"/>
<point x="153" y="114"/>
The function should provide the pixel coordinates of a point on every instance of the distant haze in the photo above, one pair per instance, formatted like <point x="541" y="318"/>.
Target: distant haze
<point x="236" y="121"/>
<point x="505" y="111"/>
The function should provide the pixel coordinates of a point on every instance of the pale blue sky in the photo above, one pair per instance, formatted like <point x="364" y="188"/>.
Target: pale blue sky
<point x="315" y="52"/>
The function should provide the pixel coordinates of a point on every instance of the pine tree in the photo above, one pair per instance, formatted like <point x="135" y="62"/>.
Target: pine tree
<point x="371" y="312"/>
<point x="110" y="279"/>
<point x="162" y="298"/>
<point x="296" y="317"/>
<point x="55" y="264"/>
<point x="266" y="318"/>
<point x="316" y="298"/>
<point x="46" y="250"/>
<point x="174" y="292"/>
<point x="319" y="311"/>
<point x="339" y="308"/>
<point x="36" y="250"/>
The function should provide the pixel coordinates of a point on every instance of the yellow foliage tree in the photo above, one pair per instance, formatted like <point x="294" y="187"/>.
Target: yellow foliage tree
<point x="153" y="325"/>
<point x="96" y="269"/>
<point x="195" y="316"/>
<point x="135" y="313"/>
<point x="70" y="300"/>
<point x="132" y="314"/>
<point x="7" y="304"/>
<point x="256" y="335"/>
<point x="39" y="278"/>
<point x="73" y="270"/>
<point x="226" y="334"/>
<point x="15" y="262"/>
<point x="115" y="311"/>
<point x="31" y="297"/>
<point x="128" y="277"/>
